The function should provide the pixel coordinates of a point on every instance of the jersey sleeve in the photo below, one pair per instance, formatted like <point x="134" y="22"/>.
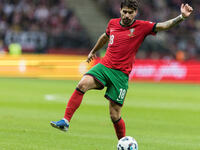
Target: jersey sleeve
<point x="150" y="27"/>
<point x="108" y="29"/>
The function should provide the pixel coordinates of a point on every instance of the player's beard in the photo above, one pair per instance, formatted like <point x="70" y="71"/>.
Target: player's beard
<point x="126" y="21"/>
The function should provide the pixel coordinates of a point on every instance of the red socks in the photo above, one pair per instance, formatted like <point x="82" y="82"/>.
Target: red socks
<point x="120" y="128"/>
<point x="73" y="103"/>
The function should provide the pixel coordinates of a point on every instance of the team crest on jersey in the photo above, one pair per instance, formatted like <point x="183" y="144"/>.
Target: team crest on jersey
<point x="131" y="32"/>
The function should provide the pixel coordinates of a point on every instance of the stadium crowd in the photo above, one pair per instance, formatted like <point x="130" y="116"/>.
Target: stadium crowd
<point x="182" y="42"/>
<point x="52" y="17"/>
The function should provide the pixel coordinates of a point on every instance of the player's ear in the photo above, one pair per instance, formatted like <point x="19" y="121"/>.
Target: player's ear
<point x="136" y="12"/>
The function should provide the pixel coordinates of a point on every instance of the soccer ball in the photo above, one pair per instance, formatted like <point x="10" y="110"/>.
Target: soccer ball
<point x="127" y="143"/>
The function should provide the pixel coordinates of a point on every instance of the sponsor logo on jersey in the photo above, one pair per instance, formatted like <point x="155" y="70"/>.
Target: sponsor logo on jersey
<point x="113" y="30"/>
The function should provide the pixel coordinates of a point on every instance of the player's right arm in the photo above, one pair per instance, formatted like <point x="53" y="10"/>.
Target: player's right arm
<point x="103" y="39"/>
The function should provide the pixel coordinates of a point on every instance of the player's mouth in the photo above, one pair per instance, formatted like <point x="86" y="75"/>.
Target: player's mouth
<point x="126" y="21"/>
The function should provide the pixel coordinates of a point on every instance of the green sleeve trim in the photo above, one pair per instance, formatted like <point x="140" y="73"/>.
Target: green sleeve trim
<point x="154" y="28"/>
<point x="107" y="35"/>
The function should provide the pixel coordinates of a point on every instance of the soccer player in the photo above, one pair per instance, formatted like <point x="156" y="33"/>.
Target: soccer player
<point x="124" y="36"/>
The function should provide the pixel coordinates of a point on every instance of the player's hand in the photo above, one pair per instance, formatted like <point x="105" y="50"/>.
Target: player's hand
<point x="186" y="10"/>
<point x="91" y="56"/>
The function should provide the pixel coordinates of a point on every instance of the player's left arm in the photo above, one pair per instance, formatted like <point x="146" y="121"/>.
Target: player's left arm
<point x="186" y="10"/>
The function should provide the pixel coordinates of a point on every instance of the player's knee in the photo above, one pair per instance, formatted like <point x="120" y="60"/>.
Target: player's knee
<point x="83" y="86"/>
<point x="114" y="115"/>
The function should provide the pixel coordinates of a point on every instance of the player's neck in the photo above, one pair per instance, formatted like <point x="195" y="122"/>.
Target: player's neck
<point x="124" y="25"/>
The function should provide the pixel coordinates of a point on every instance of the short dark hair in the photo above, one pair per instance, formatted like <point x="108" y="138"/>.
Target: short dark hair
<point x="133" y="4"/>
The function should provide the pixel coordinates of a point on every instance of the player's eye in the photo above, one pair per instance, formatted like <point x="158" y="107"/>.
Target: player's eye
<point x="124" y="12"/>
<point x="130" y="12"/>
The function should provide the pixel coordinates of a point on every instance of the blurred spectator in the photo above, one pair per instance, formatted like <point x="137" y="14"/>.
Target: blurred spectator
<point x="2" y="49"/>
<point x="38" y="24"/>
<point x="184" y="38"/>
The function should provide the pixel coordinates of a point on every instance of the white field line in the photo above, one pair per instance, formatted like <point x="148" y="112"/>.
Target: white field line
<point x="65" y="98"/>
<point x="55" y="97"/>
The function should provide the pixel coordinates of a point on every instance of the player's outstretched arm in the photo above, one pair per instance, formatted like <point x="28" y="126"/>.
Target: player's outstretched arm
<point x="186" y="10"/>
<point x="103" y="39"/>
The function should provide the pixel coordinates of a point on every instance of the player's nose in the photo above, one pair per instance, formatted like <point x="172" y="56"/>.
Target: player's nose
<point x="127" y="15"/>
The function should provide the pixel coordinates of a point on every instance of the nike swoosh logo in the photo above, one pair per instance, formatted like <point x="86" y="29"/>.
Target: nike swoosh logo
<point x="118" y="99"/>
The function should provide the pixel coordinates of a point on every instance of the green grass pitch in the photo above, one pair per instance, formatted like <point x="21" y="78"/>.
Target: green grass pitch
<point x="160" y="116"/>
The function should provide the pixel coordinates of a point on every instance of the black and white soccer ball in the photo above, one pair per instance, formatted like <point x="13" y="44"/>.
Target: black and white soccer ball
<point x="127" y="143"/>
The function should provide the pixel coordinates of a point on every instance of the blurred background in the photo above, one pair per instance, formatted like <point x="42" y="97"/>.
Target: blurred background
<point x="43" y="29"/>
<point x="43" y="48"/>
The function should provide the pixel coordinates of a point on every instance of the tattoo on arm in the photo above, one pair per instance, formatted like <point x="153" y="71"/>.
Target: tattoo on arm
<point x="175" y="21"/>
<point x="169" y="24"/>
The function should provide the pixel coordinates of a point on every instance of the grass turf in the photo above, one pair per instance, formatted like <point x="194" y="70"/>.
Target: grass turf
<point x="159" y="116"/>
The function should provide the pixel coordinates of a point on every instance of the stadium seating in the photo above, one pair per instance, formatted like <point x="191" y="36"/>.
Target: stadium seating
<point x="38" y="25"/>
<point x="42" y="25"/>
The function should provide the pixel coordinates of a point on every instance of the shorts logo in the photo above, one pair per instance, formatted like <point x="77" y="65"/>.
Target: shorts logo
<point x="119" y="100"/>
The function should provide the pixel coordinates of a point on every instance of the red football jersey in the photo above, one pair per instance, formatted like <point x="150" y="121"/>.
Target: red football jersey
<point x="124" y="43"/>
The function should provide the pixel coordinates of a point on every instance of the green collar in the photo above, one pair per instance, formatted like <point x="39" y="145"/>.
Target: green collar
<point x="128" y="25"/>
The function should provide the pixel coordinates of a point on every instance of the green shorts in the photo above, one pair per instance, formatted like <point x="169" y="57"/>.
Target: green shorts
<point x="115" y="80"/>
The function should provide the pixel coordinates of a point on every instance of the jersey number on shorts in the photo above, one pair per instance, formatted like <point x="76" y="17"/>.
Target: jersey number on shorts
<point x="122" y="94"/>
<point x="111" y="39"/>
